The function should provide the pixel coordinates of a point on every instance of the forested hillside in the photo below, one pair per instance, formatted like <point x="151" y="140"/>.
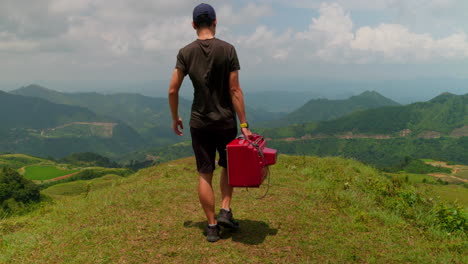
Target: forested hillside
<point x="324" y="109"/>
<point x="442" y="115"/>
<point x="39" y="127"/>
<point x="446" y="114"/>
<point x="19" y="112"/>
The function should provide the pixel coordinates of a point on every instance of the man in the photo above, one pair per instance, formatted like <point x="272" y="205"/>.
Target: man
<point x="213" y="66"/>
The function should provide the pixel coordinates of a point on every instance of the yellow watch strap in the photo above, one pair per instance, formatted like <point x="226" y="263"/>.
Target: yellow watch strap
<point x="244" y="125"/>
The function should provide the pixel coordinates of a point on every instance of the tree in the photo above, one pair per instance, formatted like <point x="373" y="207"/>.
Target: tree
<point x="16" y="191"/>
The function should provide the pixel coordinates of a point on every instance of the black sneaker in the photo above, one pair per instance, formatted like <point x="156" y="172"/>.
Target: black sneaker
<point x="212" y="233"/>
<point x="226" y="219"/>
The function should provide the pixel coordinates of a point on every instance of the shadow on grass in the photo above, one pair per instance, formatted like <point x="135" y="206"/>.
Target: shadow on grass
<point x="250" y="232"/>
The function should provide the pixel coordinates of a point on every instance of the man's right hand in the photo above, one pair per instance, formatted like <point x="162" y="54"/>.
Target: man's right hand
<point x="177" y="126"/>
<point x="246" y="132"/>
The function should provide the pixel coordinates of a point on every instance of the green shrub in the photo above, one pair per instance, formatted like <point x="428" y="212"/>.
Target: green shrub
<point x="16" y="192"/>
<point x="89" y="159"/>
<point x="452" y="218"/>
<point x="440" y="181"/>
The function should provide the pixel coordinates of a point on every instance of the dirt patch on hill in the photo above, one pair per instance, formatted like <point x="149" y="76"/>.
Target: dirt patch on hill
<point x="429" y="134"/>
<point x="105" y="130"/>
<point x="443" y="164"/>
<point x="450" y="177"/>
<point x="460" y="132"/>
<point x="348" y="135"/>
<point x="455" y="169"/>
<point x="405" y="132"/>
<point x="351" y="135"/>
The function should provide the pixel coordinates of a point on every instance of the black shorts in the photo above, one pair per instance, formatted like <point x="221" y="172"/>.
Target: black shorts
<point x="205" y="142"/>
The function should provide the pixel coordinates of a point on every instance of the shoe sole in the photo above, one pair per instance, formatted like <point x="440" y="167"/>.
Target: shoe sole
<point x="226" y="223"/>
<point x="212" y="239"/>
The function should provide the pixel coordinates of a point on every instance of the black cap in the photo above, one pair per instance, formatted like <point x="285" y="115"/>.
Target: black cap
<point x="204" y="9"/>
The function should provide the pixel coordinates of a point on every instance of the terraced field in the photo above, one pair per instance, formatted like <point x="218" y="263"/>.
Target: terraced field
<point x="42" y="173"/>
<point x="459" y="172"/>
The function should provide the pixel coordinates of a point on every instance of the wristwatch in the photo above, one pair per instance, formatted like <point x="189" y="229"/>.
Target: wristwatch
<point x="244" y="125"/>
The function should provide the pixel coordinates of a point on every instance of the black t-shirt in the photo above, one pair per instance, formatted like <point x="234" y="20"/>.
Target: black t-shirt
<point x="209" y="64"/>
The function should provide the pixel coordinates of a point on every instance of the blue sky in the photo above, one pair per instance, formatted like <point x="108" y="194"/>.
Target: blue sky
<point x="124" y="40"/>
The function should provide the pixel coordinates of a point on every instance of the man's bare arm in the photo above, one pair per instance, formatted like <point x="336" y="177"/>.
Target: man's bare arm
<point x="237" y="98"/>
<point x="174" y="87"/>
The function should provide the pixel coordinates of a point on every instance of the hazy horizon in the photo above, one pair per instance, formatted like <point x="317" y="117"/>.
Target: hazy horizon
<point x="402" y="91"/>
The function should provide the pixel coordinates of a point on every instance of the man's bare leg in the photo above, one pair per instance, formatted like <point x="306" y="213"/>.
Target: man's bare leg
<point x="226" y="190"/>
<point x="206" y="195"/>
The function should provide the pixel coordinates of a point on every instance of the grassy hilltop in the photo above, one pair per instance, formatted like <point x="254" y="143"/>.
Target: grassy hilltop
<point x="318" y="210"/>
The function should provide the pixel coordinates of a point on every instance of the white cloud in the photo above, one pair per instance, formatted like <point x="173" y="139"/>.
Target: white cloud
<point x="264" y="41"/>
<point x="333" y="24"/>
<point x="397" y="44"/>
<point x="330" y="33"/>
<point x="348" y="4"/>
<point x="227" y="14"/>
<point x="332" y="37"/>
<point x="54" y="34"/>
<point x="167" y="35"/>
<point x="66" y="6"/>
<point x="377" y="4"/>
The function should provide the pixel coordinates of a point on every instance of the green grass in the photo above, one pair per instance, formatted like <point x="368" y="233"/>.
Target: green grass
<point x="81" y="187"/>
<point x="462" y="174"/>
<point x="41" y="173"/>
<point x="318" y="210"/>
<point x="452" y="193"/>
<point x="412" y="177"/>
<point x="67" y="189"/>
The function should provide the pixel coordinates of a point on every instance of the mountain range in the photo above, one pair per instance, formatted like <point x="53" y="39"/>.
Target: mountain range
<point x="384" y="136"/>
<point x="324" y="109"/>
<point x="444" y="115"/>
<point x="34" y="117"/>
<point x="149" y="116"/>
<point x="40" y="121"/>
<point x="441" y="115"/>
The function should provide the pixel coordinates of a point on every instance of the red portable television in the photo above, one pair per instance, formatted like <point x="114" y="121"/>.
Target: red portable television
<point x="248" y="161"/>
